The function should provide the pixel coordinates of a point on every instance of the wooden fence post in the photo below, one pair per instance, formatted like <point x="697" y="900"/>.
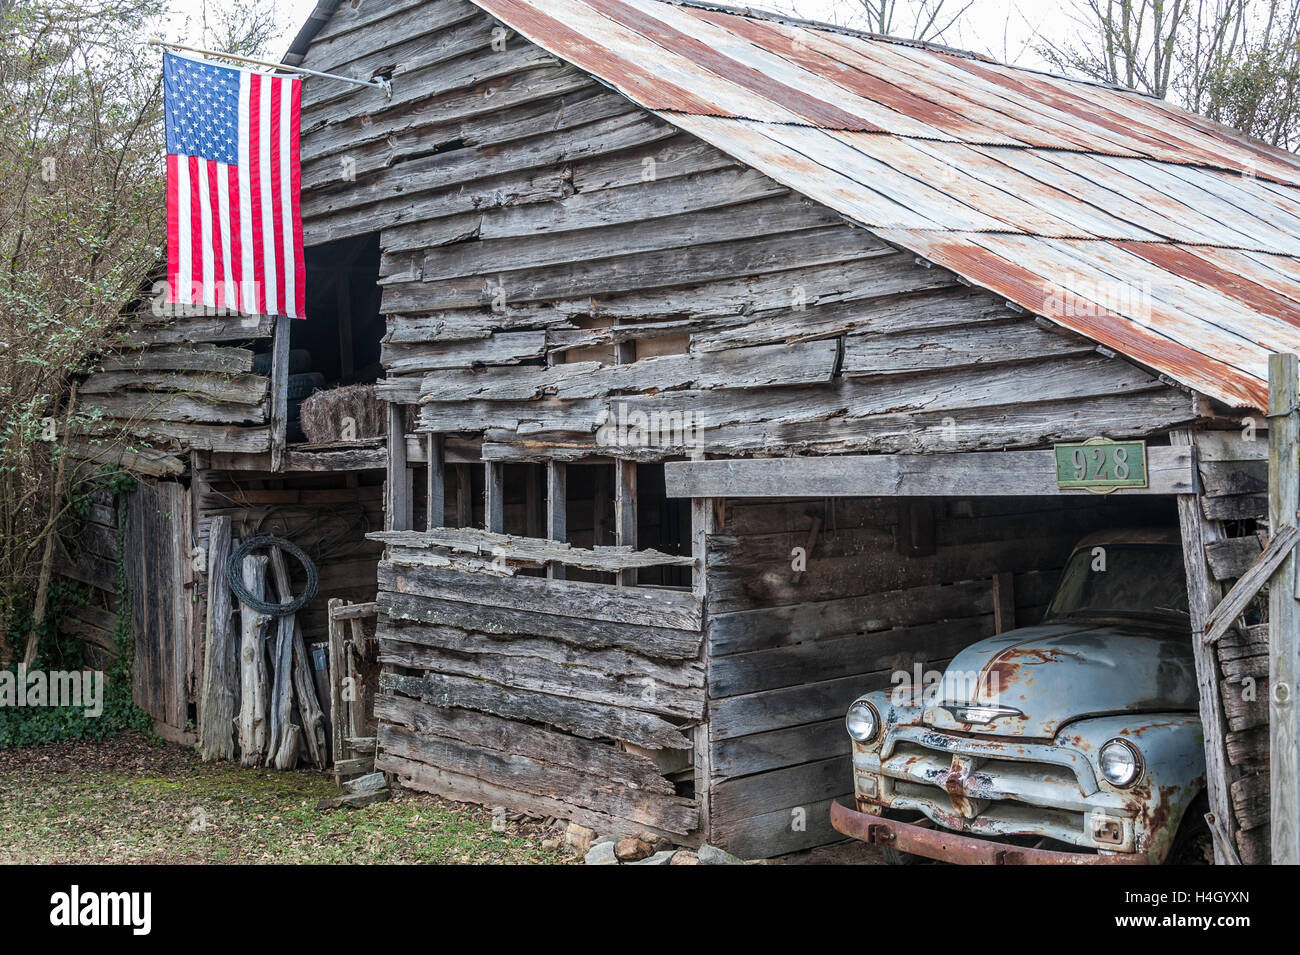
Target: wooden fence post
<point x="1283" y="613"/>
<point x="252" y="666"/>
<point x="221" y="652"/>
<point x="339" y="708"/>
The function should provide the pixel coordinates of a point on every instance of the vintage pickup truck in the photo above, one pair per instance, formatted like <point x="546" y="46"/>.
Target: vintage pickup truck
<point x="1074" y="741"/>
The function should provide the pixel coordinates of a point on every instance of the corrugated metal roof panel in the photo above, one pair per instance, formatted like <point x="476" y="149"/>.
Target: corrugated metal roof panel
<point x="1052" y="282"/>
<point x="1056" y="193"/>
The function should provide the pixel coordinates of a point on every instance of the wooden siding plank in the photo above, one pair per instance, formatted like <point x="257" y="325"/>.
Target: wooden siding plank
<point x="576" y="599"/>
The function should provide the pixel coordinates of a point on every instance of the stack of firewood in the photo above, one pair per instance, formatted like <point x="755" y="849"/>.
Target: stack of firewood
<point x="259" y="698"/>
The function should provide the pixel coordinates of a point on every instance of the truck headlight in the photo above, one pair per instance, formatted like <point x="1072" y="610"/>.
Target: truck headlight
<point x="863" y="722"/>
<point x="1120" y="762"/>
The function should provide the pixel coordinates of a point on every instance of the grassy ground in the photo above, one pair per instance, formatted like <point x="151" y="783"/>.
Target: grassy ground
<point x="127" y="800"/>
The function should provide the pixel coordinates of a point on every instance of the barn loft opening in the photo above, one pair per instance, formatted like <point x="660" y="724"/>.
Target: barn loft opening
<point x="344" y="325"/>
<point x="664" y="524"/>
<point x="338" y="345"/>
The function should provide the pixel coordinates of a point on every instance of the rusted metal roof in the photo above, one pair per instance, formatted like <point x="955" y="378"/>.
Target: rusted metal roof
<point x="1158" y="233"/>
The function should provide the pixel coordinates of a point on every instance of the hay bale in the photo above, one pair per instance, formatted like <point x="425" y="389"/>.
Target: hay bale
<point x="325" y="413"/>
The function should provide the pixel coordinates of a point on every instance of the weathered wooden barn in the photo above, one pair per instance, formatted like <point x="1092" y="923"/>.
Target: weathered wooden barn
<point x="724" y="356"/>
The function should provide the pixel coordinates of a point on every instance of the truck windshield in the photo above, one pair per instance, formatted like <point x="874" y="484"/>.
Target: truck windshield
<point x="1124" y="580"/>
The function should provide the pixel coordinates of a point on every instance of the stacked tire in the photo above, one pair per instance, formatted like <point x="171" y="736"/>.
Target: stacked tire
<point x="302" y="383"/>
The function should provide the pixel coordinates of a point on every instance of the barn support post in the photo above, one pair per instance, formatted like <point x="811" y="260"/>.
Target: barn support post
<point x="494" y="505"/>
<point x="1283" y="613"/>
<point x="704" y="522"/>
<point x="436" y="490"/>
<point x="625" y="513"/>
<point x="625" y="483"/>
<point x="279" y="392"/>
<point x="1204" y="594"/>
<point x="556" y="520"/>
<point x="398" y="487"/>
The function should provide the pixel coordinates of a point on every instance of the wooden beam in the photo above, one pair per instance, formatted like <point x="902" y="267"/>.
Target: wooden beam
<point x="1203" y="593"/>
<point x="279" y="392"/>
<point x="436" y="490"/>
<point x="643" y="606"/>
<point x="704" y="522"/>
<point x="963" y="474"/>
<point x="332" y="460"/>
<point x="338" y="610"/>
<point x="494" y="510"/>
<point x="433" y="548"/>
<point x="557" y="528"/>
<point x="1283" y="612"/>
<point x="1244" y="590"/>
<point x="397" y="488"/>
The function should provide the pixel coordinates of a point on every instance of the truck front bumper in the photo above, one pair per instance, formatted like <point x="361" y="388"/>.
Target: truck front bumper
<point x="953" y="847"/>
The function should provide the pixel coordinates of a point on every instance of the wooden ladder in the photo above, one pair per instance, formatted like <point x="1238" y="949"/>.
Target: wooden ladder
<point x="354" y="753"/>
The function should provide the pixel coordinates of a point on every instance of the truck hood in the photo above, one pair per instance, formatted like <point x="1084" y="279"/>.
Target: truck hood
<point x="1060" y="672"/>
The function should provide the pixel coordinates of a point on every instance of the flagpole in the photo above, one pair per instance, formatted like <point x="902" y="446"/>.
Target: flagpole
<point x="378" y="83"/>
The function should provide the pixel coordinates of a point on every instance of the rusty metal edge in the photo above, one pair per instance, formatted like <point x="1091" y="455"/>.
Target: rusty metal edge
<point x="316" y="20"/>
<point x="953" y="847"/>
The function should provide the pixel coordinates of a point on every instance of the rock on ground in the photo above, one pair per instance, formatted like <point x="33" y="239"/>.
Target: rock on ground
<point x="579" y="837"/>
<point x="659" y="858"/>
<point x="711" y="855"/>
<point x="632" y="850"/>
<point x="602" y="853"/>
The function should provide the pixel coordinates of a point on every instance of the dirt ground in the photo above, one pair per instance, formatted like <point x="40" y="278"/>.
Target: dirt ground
<point x="128" y="800"/>
<point x="133" y="800"/>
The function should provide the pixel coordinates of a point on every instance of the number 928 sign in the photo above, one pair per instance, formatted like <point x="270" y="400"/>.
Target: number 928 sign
<point x="1101" y="465"/>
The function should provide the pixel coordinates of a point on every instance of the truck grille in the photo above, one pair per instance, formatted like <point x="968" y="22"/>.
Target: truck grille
<point x="999" y="788"/>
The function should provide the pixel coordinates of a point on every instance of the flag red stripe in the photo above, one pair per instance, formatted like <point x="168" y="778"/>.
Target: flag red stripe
<point x="277" y="196"/>
<point x="255" y="178"/>
<point x="218" y="239"/>
<point x="195" y="278"/>
<point x="236" y="248"/>
<point x="295" y="170"/>
<point x="173" y="229"/>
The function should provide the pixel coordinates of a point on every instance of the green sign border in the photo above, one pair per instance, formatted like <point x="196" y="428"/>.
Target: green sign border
<point x="1065" y="467"/>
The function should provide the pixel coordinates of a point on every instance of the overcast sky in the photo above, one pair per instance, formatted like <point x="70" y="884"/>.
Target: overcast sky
<point x="1004" y="29"/>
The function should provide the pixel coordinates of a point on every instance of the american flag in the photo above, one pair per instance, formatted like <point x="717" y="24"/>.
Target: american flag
<point x="234" y="230"/>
